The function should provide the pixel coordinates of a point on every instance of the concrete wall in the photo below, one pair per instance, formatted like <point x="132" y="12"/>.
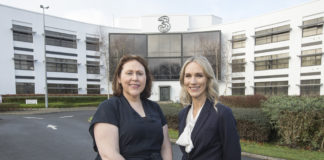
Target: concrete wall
<point x="149" y="24"/>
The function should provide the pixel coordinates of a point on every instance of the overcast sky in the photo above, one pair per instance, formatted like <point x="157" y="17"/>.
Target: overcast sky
<point x="103" y="11"/>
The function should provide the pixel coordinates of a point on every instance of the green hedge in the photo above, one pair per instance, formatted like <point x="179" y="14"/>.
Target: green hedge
<point x="171" y="111"/>
<point x="51" y="99"/>
<point x="252" y="123"/>
<point x="8" y="106"/>
<point x="251" y="101"/>
<point x="299" y="121"/>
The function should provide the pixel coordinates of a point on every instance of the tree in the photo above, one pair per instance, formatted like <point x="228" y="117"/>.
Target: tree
<point x="104" y="53"/>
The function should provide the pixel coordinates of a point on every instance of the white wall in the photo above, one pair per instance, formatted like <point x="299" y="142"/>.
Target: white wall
<point x="149" y="24"/>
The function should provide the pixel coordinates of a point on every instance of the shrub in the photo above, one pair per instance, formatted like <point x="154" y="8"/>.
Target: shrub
<point x="252" y="124"/>
<point x="8" y="106"/>
<point x="53" y="99"/>
<point x="250" y="101"/>
<point x="171" y="111"/>
<point x="299" y="121"/>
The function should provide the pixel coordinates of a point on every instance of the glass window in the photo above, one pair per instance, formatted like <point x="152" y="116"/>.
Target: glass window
<point x="62" y="88"/>
<point x="61" y="65"/>
<point x="165" y="93"/>
<point x="166" y="53"/>
<point x="272" y="35"/>
<point x="311" y="57"/>
<point x="60" y="39"/>
<point x="164" y="45"/>
<point x="93" y="67"/>
<point x="25" y="88"/>
<point x="92" y="44"/>
<point x="24" y="62"/>
<point x="238" y="44"/>
<point x="313" y="21"/>
<point x="206" y="44"/>
<point x="313" y="27"/>
<point x="238" y="41"/>
<point x="165" y="68"/>
<point x="271" y="88"/>
<point x="310" y="87"/>
<point x="278" y="61"/>
<point x="93" y="89"/>
<point x="262" y="40"/>
<point x="238" y="89"/>
<point x="123" y="44"/>
<point x="238" y="65"/>
<point x="312" y="31"/>
<point x="22" y="33"/>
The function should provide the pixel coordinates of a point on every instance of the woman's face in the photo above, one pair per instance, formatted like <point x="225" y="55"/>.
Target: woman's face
<point x="195" y="80"/>
<point x="132" y="78"/>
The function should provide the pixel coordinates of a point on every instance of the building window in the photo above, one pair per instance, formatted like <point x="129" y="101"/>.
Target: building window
<point x="313" y="27"/>
<point x="165" y="53"/>
<point x="93" y="67"/>
<point x="311" y="57"/>
<point x="206" y="44"/>
<point x="25" y="88"/>
<point x="92" y="44"/>
<point x="22" y="33"/>
<point x="238" y="65"/>
<point x="164" y="93"/>
<point x="238" y="41"/>
<point x="122" y="44"/>
<point x="238" y="89"/>
<point x="61" y="65"/>
<point x="62" y="88"/>
<point x="310" y="87"/>
<point x="24" y="62"/>
<point x="165" y="68"/>
<point x="277" y="61"/>
<point x="272" y="35"/>
<point x="60" y="39"/>
<point x="164" y="56"/>
<point x="271" y="88"/>
<point x="93" y="89"/>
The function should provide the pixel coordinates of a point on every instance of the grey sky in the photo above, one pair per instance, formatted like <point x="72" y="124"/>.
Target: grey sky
<point x="103" y="11"/>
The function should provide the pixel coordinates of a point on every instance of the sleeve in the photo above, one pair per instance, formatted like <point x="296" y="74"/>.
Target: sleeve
<point x="162" y="117"/>
<point x="106" y="113"/>
<point x="230" y="137"/>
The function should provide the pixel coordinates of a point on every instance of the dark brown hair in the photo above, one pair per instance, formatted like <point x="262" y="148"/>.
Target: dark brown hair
<point x="118" y="89"/>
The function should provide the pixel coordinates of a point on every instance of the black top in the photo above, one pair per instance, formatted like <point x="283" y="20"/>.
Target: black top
<point x="214" y="135"/>
<point x="139" y="137"/>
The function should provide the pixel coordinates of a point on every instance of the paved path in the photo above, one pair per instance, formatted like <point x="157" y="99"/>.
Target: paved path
<point x="55" y="133"/>
<point x="48" y="136"/>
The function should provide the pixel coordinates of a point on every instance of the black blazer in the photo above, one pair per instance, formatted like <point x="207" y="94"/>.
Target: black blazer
<point x="214" y="136"/>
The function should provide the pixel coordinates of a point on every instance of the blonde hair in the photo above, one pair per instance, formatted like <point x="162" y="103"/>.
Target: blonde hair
<point x="212" y="84"/>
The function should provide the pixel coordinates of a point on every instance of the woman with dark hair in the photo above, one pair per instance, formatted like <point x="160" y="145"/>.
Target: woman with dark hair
<point x="207" y="128"/>
<point x="128" y="126"/>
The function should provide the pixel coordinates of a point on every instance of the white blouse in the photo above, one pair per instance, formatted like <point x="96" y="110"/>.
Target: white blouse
<point x="185" y="137"/>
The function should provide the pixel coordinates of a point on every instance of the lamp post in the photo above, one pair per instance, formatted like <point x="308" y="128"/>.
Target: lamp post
<point x="45" y="63"/>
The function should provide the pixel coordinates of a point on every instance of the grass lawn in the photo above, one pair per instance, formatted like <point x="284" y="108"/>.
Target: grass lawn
<point x="271" y="150"/>
<point x="173" y="134"/>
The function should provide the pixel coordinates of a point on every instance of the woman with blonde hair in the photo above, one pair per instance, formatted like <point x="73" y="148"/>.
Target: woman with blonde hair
<point x="207" y="128"/>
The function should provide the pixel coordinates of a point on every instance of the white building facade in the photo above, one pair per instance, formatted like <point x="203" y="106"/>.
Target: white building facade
<point x="271" y="54"/>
